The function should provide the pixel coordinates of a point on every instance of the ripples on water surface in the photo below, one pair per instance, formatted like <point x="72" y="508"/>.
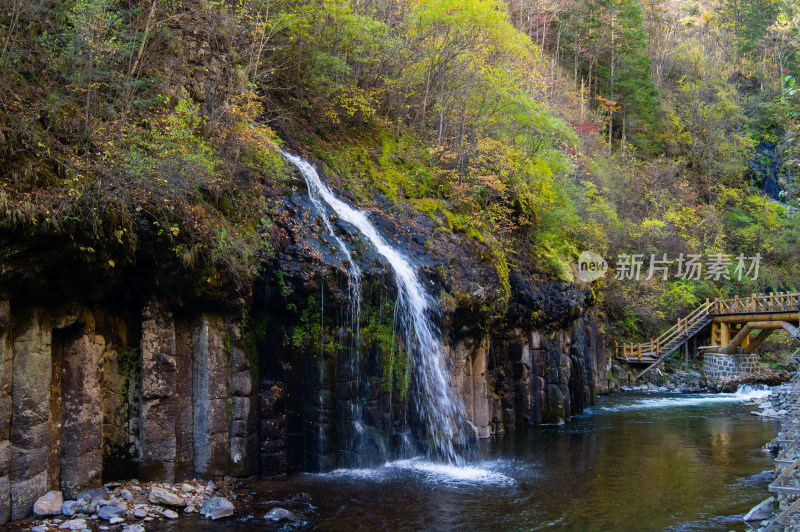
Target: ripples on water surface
<point x="633" y="462"/>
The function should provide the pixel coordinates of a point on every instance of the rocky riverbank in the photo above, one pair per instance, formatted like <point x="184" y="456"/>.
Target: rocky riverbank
<point x="134" y="506"/>
<point x="129" y="506"/>
<point x="782" y="404"/>
<point x="673" y="377"/>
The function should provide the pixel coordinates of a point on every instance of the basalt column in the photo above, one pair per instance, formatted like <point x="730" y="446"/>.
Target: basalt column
<point x="158" y="394"/>
<point x="6" y="360"/>
<point x="29" y="434"/>
<point x="244" y="416"/>
<point x="210" y="386"/>
<point x="184" y="421"/>
<point x="120" y="379"/>
<point x="81" y="355"/>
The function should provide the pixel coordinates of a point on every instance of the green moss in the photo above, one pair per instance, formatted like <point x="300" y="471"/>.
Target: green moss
<point x="129" y="361"/>
<point x="396" y="362"/>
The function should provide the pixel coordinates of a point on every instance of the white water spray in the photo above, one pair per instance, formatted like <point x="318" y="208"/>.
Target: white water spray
<point x="743" y="394"/>
<point x="440" y="413"/>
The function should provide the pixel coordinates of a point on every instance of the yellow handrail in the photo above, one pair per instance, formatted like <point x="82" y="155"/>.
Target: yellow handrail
<point x="754" y="303"/>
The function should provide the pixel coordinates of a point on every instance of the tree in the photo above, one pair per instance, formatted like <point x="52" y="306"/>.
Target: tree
<point x="93" y="46"/>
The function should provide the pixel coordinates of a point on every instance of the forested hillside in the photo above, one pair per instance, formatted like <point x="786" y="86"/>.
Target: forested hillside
<point x="537" y="129"/>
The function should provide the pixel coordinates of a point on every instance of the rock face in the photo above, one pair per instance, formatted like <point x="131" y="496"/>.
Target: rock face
<point x="161" y="378"/>
<point x="519" y="378"/>
<point x="88" y="393"/>
<point x="523" y="353"/>
<point x="30" y="432"/>
<point x="158" y="393"/>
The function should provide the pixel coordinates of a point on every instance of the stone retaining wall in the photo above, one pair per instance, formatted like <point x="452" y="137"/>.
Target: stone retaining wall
<point x="717" y="366"/>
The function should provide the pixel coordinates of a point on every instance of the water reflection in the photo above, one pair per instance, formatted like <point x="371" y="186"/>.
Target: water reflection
<point x="692" y="465"/>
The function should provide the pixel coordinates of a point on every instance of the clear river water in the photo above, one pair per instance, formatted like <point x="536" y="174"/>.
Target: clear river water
<point x="632" y="462"/>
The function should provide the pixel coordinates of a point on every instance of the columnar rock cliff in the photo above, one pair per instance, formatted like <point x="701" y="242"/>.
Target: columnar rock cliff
<point x="95" y="393"/>
<point x="145" y="376"/>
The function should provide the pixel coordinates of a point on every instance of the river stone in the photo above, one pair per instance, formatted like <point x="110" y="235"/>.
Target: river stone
<point x="39" y="528"/>
<point x="48" y="504"/>
<point x="165" y="497"/>
<point x="217" y="508"/>
<point x="170" y="514"/>
<point x="280" y="514"/>
<point x="140" y="513"/>
<point x="133" y="528"/>
<point x="92" y="499"/>
<point x="109" y="512"/>
<point x="763" y="510"/>
<point x="73" y="524"/>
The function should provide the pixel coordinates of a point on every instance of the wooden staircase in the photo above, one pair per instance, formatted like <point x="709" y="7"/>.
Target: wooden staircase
<point x="653" y="352"/>
<point x="657" y="350"/>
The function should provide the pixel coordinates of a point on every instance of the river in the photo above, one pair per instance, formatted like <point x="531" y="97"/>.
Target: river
<point x="632" y="462"/>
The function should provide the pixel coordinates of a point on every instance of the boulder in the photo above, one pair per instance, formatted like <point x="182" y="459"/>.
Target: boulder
<point x="217" y="508"/>
<point x="762" y="510"/>
<point x="73" y="524"/>
<point x="69" y="508"/>
<point x="88" y="500"/>
<point x="280" y="514"/>
<point x="165" y="497"/>
<point x="110" y="511"/>
<point x="48" y="504"/>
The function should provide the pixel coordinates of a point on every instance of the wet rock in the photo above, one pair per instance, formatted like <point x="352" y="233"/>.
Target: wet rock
<point x="280" y="514"/>
<point x="40" y="528"/>
<point x="126" y="495"/>
<point x="88" y="500"/>
<point x="187" y="488"/>
<point x="48" y="504"/>
<point x="133" y="528"/>
<point x="73" y="524"/>
<point x="69" y="508"/>
<point x="165" y="497"/>
<point x="217" y="508"/>
<point x="170" y="514"/>
<point x="109" y="512"/>
<point x="762" y="510"/>
<point x="140" y="513"/>
<point x="116" y="520"/>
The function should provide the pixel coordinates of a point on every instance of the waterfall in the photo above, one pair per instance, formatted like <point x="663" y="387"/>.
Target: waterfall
<point x="352" y="369"/>
<point x="440" y="412"/>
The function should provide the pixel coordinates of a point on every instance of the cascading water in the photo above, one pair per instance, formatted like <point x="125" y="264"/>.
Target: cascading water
<point x="440" y="413"/>
<point x="352" y="376"/>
